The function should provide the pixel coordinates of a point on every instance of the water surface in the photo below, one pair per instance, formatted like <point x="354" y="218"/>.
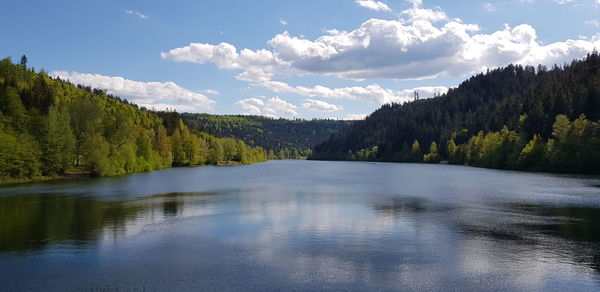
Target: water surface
<point x="298" y="225"/>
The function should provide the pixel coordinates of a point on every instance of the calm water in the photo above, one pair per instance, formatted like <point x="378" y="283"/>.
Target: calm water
<point x="298" y="225"/>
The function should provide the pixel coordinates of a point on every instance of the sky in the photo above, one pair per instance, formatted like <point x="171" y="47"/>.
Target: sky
<point x="306" y="59"/>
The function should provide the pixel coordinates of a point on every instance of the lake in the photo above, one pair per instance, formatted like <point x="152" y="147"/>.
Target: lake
<point x="304" y="225"/>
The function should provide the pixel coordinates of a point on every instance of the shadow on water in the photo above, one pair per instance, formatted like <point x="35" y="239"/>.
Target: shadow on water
<point x="573" y="223"/>
<point x="575" y="231"/>
<point x="401" y="206"/>
<point x="570" y="232"/>
<point x="36" y="222"/>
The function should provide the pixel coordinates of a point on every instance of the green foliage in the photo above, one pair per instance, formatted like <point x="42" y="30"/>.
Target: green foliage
<point x="49" y="126"/>
<point x="510" y="118"/>
<point x="432" y="156"/>
<point x="283" y="139"/>
<point x="574" y="148"/>
<point x="60" y="143"/>
<point x="216" y="154"/>
<point x="532" y="156"/>
<point x="96" y="151"/>
<point x="415" y="152"/>
<point x="367" y="154"/>
<point x="19" y="156"/>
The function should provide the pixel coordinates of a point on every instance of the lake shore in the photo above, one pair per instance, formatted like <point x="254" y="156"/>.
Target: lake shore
<point x="81" y="173"/>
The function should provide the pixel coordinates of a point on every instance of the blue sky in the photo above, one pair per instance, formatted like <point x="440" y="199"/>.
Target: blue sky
<point x="304" y="59"/>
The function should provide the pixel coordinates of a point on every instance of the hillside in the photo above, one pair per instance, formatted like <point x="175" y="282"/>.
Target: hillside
<point x="49" y="127"/>
<point x="513" y="117"/>
<point x="281" y="138"/>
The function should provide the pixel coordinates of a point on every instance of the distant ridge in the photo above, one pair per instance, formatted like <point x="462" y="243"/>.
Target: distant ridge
<point x="524" y="102"/>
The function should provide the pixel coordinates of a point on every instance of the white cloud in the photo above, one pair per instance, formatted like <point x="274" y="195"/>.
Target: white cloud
<point x="489" y="7"/>
<point x="211" y="92"/>
<point x="424" y="43"/>
<point x="562" y="1"/>
<point x="157" y="95"/>
<point x="250" y="106"/>
<point x="136" y="13"/>
<point x="320" y="106"/>
<point x="283" y="22"/>
<point x="593" y="22"/>
<point x="388" y="49"/>
<point x="279" y="107"/>
<point x="416" y="12"/>
<point x="373" y="5"/>
<point x="350" y="117"/>
<point x="355" y="116"/>
<point x="273" y="107"/>
<point x="372" y="93"/>
<point x="224" y="55"/>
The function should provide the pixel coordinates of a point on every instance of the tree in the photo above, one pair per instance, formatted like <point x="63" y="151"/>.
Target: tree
<point x="229" y="149"/>
<point x="523" y="100"/>
<point x="11" y="105"/>
<point x="241" y="152"/>
<point x="60" y="142"/>
<point x="19" y="156"/>
<point x="452" y="151"/>
<point x="96" y="151"/>
<point x="532" y="155"/>
<point x="85" y="122"/>
<point x="48" y="124"/>
<point x="23" y="61"/>
<point x="162" y="145"/>
<point x="432" y="156"/>
<point x="215" y="151"/>
<point x="416" y="153"/>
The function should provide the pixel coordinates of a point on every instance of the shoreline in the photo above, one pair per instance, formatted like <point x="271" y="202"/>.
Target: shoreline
<point x="82" y="174"/>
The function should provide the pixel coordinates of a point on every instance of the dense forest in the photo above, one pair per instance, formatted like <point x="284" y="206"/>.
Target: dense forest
<point x="516" y="117"/>
<point x="49" y="127"/>
<point x="281" y="138"/>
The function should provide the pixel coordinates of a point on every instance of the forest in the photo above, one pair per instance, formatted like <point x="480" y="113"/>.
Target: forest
<point x="281" y="138"/>
<point x="50" y="127"/>
<point x="516" y="117"/>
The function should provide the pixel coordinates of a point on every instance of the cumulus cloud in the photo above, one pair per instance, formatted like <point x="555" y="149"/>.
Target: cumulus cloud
<point x="423" y="43"/>
<point x="417" y="12"/>
<point x="373" y="5"/>
<point x="273" y="107"/>
<point x="224" y="55"/>
<point x="320" y="106"/>
<point x="394" y="49"/>
<point x="372" y="93"/>
<point x="251" y="106"/>
<point x="157" y="95"/>
<point x="136" y="13"/>
<point x="211" y="92"/>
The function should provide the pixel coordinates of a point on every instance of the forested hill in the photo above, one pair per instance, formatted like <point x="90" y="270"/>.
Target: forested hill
<point x="49" y="127"/>
<point x="513" y="117"/>
<point x="282" y="138"/>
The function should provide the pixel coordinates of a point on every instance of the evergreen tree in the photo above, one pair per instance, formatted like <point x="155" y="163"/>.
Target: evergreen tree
<point x="23" y="61"/>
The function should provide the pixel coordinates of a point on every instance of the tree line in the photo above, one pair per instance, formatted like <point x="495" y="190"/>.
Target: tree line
<point x="511" y="118"/>
<point x="49" y="127"/>
<point x="281" y="138"/>
<point x="573" y="147"/>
